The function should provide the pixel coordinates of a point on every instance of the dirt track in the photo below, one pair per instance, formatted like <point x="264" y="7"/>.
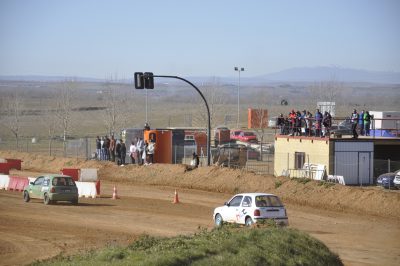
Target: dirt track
<point x="26" y="229"/>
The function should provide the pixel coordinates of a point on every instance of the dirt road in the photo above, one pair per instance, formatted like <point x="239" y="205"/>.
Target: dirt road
<point x="32" y="231"/>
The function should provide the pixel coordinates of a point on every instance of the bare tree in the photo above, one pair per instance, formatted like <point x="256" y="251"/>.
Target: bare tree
<point x="216" y="103"/>
<point x="113" y="114"/>
<point x="12" y="117"/>
<point x="65" y="102"/>
<point x="324" y="91"/>
<point x="50" y="122"/>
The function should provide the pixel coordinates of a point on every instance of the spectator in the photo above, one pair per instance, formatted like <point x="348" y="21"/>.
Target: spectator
<point x="318" y="123"/>
<point x="107" y="148"/>
<point x="146" y="126"/>
<point x="354" y="122"/>
<point x="327" y="122"/>
<point x="309" y="122"/>
<point x="195" y="161"/>
<point x="140" y="149"/>
<point x="150" y="151"/>
<point x="361" y="122"/>
<point x="133" y="152"/>
<point x="112" y="149"/>
<point x="103" y="147"/>
<point x="304" y="122"/>
<point x="298" y="124"/>
<point x="118" y="152"/>
<point x="292" y="122"/>
<point x="367" y="123"/>
<point x="280" y="122"/>
<point x="144" y="154"/>
<point x="98" y="147"/>
<point x="123" y="152"/>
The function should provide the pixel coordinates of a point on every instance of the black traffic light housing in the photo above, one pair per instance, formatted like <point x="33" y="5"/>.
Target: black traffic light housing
<point x="139" y="80"/>
<point x="148" y="80"/>
<point x="145" y="80"/>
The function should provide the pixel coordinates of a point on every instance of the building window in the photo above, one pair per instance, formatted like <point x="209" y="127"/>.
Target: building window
<point x="299" y="159"/>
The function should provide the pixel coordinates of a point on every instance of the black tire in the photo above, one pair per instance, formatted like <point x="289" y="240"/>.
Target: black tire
<point x="74" y="202"/>
<point x="26" y="196"/>
<point x="249" y="221"/>
<point x="218" y="220"/>
<point x="46" y="199"/>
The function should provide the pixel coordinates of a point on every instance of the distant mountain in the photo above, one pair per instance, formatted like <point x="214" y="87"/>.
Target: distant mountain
<point x="322" y="73"/>
<point x="298" y="74"/>
<point x="48" y="78"/>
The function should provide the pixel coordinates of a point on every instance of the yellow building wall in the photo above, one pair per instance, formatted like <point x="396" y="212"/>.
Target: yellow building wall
<point x="317" y="151"/>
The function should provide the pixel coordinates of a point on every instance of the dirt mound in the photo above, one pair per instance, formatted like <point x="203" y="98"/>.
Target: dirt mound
<point x="366" y="200"/>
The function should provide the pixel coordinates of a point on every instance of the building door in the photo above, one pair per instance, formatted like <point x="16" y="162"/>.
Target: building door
<point x="364" y="167"/>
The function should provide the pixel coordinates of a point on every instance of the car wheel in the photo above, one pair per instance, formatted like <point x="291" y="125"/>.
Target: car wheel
<point x="249" y="221"/>
<point x="218" y="220"/>
<point x="46" y="199"/>
<point x="74" y="202"/>
<point x="26" y="196"/>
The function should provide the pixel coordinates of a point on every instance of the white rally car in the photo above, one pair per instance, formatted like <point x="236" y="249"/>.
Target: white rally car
<point x="248" y="208"/>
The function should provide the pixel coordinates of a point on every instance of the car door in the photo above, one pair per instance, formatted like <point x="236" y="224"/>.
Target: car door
<point x="35" y="189"/>
<point x="244" y="210"/>
<point x="232" y="209"/>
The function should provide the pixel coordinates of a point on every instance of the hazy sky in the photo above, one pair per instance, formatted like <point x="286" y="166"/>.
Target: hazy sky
<point x="100" y="38"/>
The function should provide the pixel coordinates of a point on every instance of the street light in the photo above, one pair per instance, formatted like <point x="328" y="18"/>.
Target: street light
<point x="238" y="95"/>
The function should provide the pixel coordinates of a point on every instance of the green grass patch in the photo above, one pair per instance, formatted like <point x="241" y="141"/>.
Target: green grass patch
<point x="326" y="184"/>
<point x="278" y="183"/>
<point x="226" y="246"/>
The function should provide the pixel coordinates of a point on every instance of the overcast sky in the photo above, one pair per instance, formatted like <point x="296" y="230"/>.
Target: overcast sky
<point x="195" y="38"/>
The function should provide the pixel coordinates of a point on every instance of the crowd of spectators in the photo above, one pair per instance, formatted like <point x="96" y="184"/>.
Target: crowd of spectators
<point x="298" y="123"/>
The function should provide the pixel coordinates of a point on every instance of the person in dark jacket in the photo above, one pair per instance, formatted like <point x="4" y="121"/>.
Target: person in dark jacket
<point x="318" y="123"/>
<point x="122" y="152"/>
<point x="280" y="122"/>
<point x="327" y="122"/>
<point x="354" y="123"/>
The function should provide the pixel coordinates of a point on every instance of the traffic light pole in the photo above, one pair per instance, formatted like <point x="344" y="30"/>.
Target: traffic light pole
<point x="208" y="113"/>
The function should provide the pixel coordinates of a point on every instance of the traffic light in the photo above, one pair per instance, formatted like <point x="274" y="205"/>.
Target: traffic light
<point x="139" y="80"/>
<point x="148" y="80"/>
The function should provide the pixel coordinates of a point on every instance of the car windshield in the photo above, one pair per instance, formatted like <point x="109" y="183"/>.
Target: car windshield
<point x="63" y="181"/>
<point x="268" y="201"/>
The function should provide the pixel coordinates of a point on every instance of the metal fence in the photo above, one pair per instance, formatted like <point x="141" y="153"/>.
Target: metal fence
<point x="85" y="148"/>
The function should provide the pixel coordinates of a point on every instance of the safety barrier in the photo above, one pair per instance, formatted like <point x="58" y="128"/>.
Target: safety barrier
<point x="4" y="181"/>
<point x="17" y="183"/>
<point x="5" y="168"/>
<point x="72" y="172"/>
<point x="14" y="163"/>
<point x="87" y="189"/>
<point x="88" y="175"/>
<point x="98" y="187"/>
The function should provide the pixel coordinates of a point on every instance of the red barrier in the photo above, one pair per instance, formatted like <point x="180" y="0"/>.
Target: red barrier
<point x="17" y="183"/>
<point x="14" y="163"/>
<point x="5" y="168"/>
<point x="72" y="172"/>
<point x="98" y="187"/>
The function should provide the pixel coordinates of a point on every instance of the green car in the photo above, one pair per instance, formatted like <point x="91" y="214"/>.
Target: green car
<point x="52" y="188"/>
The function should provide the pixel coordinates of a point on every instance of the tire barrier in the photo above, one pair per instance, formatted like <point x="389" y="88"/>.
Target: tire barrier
<point x="4" y="181"/>
<point x="5" y="168"/>
<point x="17" y="183"/>
<point x="72" y="172"/>
<point x="86" y="189"/>
<point x="14" y="163"/>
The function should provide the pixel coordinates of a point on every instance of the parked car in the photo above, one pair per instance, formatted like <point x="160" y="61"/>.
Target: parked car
<point x="52" y="188"/>
<point x="343" y="128"/>
<point x="386" y="180"/>
<point x="249" y="208"/>
<point x="396" y="180"/>
<point x="245" y="136"/>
